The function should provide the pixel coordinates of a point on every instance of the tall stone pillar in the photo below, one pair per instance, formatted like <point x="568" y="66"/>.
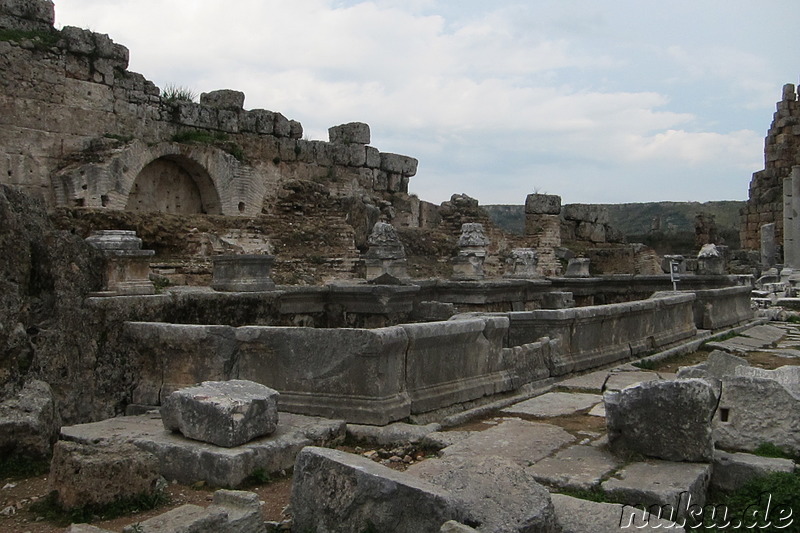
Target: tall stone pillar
<point x="543" y="230"/>
<point x="791" y="225"/>
<point x="768" y="248"/>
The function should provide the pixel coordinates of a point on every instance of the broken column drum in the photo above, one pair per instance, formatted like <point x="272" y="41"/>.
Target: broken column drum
<point x="523" y="263"/>
<point x="243" y="273"/>
<point x="468" y="264"/>
<point x="386" y="254"/>
<point x="127" y="269"/>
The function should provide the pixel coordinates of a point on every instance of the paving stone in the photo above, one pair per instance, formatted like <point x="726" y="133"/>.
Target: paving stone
<point x="739" y="344"/>
<point x="338" y="491"/>
<point x="520" y="441"/>
<point x="189" y="461"/>
<point x="451" y="526"/>
<point x="732" y="470"/>
<point x="225" y="413"/>
<point x="598" y="410"/>
<point x="670" y="485"/>
<point x="554" y="404"/>
<point x="499" y="494"/>
<point x="588" y="382"/>
<point x="575" y="468"/>
<point x="788" y="353"/>
<point x="188" y="518"/>
<point x="583" y="516"/>
<point x="442" y="439"/>
<point x="620" y="380"/>
<point x="765" y="332"/>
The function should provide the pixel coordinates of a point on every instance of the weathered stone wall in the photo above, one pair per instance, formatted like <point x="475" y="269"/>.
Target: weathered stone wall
<point x="543" y="230"/>
<point x="588" y="223"/>
<point x="781" y="152"/>
<point x="78" y="129"/>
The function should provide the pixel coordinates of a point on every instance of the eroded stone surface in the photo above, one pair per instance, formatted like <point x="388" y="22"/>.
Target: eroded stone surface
<point x="337" y="491"/>
<point x="619" y="380"/>
<point x="677" y="485"/>
<point x="733" y="470"/>
<point x="583" y="516"/>
<point x="225" y="413"/>
<point x="85" y="474"/>
<point x="555" y="404"/>
<point x="664" y="419"/>
<point x="518" y="440"/>
<point x="499" y="495"/>
<point x="29" y="422"/>
<point x="575" y="468"/>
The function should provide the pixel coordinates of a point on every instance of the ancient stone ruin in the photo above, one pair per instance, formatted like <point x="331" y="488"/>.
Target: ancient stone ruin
<point x="194" y="294"/>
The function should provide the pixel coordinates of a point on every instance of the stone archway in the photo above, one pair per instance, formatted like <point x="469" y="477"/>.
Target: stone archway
<point x="174" y="184"/>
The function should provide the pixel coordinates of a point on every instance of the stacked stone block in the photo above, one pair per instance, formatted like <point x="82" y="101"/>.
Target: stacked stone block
<point x="543" y="230"/>
<point x="781" y="152"/>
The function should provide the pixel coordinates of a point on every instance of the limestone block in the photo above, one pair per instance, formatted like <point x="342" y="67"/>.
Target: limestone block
<point x="225" y="413"/>
<point x="664" y="419"/>
<point x="336" y="491"/>
<point x="788" y="376"/>
<point x="186" y="518"/>
<point x="754" y="410"/>
<point x="673" y="486"/>
<point x="295" y="129"/>
<point x="373" y="157"/>
<point x="395" y="434"/>
<point x="499" y="495"/>
<point x="77" y="40"/>
<point x="576" y="468"/>
<point x="398" y="164"/>
<point x="523" y="262"/>
<point x="451" y="526"/>
<point x="243" y="509"/>
<point x="351" y="133"/>
<point x="27" y="15"/>
<point x="29" y="422"/>
<point x="733" y="470"/>
<point x="223" y="99"/>
<point x="281" y="126"/>
<point x="555" y="404"/>
<point x="594" y="214"/>
<point x="243" y="273"/>
<point x="543" y="204"/>
<point x="86" y="528"/>
<point x="258" y="121"/>
<point x="582" y="516"/>
<point x="578" y="268"/>
<point x="100" y="474"/>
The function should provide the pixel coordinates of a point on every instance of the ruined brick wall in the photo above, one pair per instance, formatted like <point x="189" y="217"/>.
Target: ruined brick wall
<point x="543" y="230"/>
<point x="781" y="152"/>
<point x="77" y="128"/>
<point x="588" y="223"/>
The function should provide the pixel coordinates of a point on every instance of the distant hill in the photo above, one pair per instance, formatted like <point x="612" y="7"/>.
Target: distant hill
<point x="636" y="220"/>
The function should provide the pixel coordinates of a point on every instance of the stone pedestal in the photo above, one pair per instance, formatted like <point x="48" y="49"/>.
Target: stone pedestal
<point x="127" y="270"/>
<point x="543" y="230"/>
<point x="710" y="261"/>
<point x="386" y="254"/>
<point x="523" y="263"/>
<point x="468" y="264"/>
<point x="243" y="273"/>
<point x="668" y="259"/>
<point x="578" y="268"/>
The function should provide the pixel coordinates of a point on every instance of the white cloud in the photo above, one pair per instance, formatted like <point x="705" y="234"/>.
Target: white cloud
<point x="486" y="93"/>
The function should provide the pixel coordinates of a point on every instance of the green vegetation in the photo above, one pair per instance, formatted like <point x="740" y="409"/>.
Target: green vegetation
<point x="41" y="39"/>
<point x="777" y="493"/>
<point x="767" y="449"/>
<point x="49" y="510"/>
<point x="646" y="364"/>
<point x="218" y="139"/>
<point x="178" y="93"/>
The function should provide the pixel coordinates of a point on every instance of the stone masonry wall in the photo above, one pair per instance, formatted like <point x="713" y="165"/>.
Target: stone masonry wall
<point x="77" y="128"/>
<point x="781" y="152"/>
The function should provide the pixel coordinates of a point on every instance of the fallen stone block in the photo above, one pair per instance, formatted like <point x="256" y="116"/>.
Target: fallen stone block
<point x="184" y="519"/>
<point x="672" y="486"/>
<point x="29" y="422"/>
<point x="788" y="376"/>
<point x="337" y="491"/>
<point x="583" y="516"/>
<point x="575" y="468"/>
<point x="718" y="365"/>
<point x="188" y="461"/>
<point x="668" y="419"/>
<point x="394" y="434"/>
<point x="731" y="471"/>
<point x="225" y="413"/>
<point x="755" y="410"/>
<point x="86" y="528"/>
<point x="243" y="509"/>
<point x="620" y="380"/>
<point x="96" y="475"/>
<point x="499" y="494"/>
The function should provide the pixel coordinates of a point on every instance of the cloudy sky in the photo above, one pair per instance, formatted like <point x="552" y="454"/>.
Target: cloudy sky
<point x="597" y="101"/>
